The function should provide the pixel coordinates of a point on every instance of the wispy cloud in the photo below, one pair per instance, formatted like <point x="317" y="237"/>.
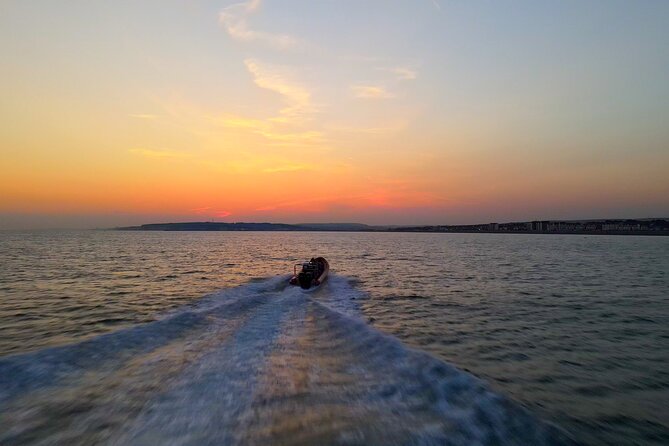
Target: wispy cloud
<point x="143" y="116"/>
<point x="288" y="168"/>
<point x="402" y="73"/>
<point x="392" y="196"/>
<point x="291" y="204"/>
<point x="281" y="80"/>
<point x="436" y="5"/>
<point x="382" y="91"/>
<point x="234" y="19"/>
<point x="287" y="127"/>
<point x="244" y="123"/>
<point x="269" y="129"/>
<point x="387" y="129"/>
<point x="210" y="211"/>
<point x="161" y="153"/>
<point x="371" y="92"/>
<point x="307" y="137"/>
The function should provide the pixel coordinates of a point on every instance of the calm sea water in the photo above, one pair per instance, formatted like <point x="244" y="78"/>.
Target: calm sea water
<point x="194" y="338"/>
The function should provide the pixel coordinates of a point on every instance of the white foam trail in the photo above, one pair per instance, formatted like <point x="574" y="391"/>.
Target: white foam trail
<point x="258" y="364"/>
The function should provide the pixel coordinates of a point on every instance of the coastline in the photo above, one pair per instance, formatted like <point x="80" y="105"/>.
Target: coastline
<point x="660" y="228"/>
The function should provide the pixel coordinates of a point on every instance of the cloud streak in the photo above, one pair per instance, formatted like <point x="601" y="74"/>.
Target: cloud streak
<point x="280" y="80"/>
<point x="234" y="19"/>
<point x="389" y="198"/>
<point x="403" y="73"/>
<point x="288" y="168"/>
<point x="143" y="116"/>
<point x="371" y="92"/>
<point x="159" y="154"/>
<point x="288" y="126"/>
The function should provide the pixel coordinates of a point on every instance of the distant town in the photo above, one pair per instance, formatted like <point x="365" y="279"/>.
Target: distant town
<point x="651" y="226"/>
<point x="647" y="226"/>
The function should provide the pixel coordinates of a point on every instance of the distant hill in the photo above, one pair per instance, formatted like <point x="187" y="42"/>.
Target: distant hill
<point x="219" y="226"/>
<point x="337" y="226"/>
<point x="213" y="226"/>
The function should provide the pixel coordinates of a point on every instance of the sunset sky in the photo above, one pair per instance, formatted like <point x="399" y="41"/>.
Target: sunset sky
<point x="381" y="112"/>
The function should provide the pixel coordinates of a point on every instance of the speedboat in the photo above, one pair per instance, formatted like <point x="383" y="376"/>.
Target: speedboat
<point x="311" y="274"/>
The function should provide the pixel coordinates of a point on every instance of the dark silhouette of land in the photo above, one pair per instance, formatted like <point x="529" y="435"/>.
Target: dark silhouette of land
<point x="646" y="226"/>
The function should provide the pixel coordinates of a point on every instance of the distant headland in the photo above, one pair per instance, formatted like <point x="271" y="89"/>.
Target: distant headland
<point x="644" y="226"/>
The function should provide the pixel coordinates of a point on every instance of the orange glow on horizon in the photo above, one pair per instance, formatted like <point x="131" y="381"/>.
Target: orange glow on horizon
<point x="192" y="117"/>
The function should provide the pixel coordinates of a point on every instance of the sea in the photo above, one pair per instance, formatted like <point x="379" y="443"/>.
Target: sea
<point x="195" y="338"/>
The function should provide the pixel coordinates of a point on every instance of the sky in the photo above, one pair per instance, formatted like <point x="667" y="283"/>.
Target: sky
<point x="380" y="112"/>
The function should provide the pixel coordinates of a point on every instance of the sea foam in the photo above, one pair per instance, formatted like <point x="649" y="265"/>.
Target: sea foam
<point x="259" y="363"/>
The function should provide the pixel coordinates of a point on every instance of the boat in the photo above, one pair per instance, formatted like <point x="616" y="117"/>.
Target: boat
<point x="311" y="274"/>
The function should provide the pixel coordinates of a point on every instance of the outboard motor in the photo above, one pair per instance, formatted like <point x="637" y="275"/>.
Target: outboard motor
<point x="311" y="274"/>
<point x="305" y="279"/>
<point x="306" y="276"/>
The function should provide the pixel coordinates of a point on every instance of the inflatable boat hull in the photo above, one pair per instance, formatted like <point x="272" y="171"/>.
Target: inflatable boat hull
<point x="313" y="273"/>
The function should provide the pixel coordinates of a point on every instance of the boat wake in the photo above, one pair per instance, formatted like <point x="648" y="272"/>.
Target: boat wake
<point x="257" y="364"/>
